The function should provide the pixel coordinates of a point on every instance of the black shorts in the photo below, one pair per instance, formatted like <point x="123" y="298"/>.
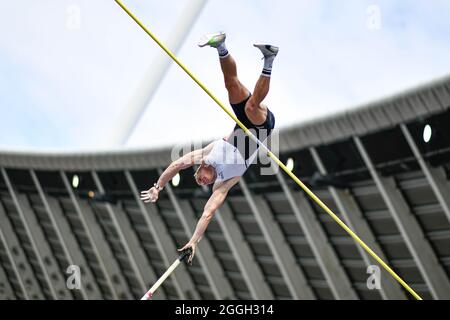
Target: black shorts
<point x="239" y="111"/>
<point x="239" y="139"/>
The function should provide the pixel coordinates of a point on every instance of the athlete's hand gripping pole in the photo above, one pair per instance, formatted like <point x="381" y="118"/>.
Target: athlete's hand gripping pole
<point x="183" y="255"/>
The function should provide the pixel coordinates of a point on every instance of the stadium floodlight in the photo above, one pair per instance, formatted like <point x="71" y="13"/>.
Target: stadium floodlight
<point x="176" y="180"/>
<point x="427" y="133"/>
<point x="290" y="164"/>
<point x="75" y="181"/>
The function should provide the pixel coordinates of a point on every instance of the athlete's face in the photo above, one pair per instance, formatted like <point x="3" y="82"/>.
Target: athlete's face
<point x="205" y="175"/>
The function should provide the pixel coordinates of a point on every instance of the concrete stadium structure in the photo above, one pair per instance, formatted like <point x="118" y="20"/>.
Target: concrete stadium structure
<point x="268" y="241"/>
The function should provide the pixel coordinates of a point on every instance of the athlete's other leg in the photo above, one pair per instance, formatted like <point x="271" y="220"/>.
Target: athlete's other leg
<point x="237" y="92"/>
<point x="255" y="110"/>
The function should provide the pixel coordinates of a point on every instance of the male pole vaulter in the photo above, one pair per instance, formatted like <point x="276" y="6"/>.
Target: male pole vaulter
<point x="224" y="161"/>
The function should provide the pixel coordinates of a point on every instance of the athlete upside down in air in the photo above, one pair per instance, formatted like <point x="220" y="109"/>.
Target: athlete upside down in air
<point x="224" y="161"/>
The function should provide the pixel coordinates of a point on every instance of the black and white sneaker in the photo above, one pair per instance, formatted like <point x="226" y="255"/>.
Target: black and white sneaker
<point x="267" y="49"/>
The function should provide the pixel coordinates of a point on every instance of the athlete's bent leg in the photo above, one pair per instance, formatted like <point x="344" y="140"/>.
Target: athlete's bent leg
<point x="255" y="110"/>
<point x="237" y="92"/>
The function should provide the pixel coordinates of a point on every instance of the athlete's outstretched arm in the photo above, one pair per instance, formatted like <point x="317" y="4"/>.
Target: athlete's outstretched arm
<point x="215" y="201"/>
<point x="186" y="161"/>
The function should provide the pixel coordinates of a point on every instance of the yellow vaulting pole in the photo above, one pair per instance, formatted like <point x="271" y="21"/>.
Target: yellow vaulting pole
<point x="274" y="158"/>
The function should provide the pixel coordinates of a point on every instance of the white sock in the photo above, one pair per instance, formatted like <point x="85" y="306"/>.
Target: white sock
<point x="268" y="62"/>
<point x="222" y="49"/>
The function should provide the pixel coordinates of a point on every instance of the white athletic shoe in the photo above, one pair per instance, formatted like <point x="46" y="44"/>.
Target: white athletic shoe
<point x="267" y="49"/>
<point x="212" y="39"/>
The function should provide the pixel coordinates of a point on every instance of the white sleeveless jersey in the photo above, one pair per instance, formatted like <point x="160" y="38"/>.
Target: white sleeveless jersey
<point x="227" y="160"/>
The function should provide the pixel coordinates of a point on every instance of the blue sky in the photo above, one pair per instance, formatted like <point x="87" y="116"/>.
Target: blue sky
<point x="65" y="88"/>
